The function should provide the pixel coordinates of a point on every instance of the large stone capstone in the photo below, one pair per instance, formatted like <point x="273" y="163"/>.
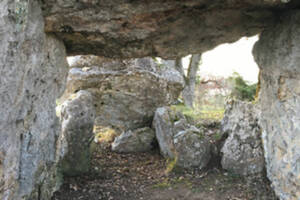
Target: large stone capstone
<point x="278" y="56"/>
<point x="155" y="28"/>
<point x="126" y="92"/>
<point x="33" y="70"/>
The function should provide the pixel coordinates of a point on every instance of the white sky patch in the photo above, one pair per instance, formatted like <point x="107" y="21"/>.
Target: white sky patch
<point x="228" y="58"/>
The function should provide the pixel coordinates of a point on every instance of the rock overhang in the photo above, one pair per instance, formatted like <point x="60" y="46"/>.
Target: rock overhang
<point x="170" y="28"/>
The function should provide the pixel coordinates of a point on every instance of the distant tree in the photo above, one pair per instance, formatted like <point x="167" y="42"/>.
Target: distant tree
<point x="241" y="89"/>
<point x="188" y="93"/>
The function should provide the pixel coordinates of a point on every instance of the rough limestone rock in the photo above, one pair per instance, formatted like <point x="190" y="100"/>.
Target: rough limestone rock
<point x="242" y="150"/>
<point x="192" y="149"/>
<point x="179" y="140"/>
<point x="142" y="28"/>
<point x="127" y="92"/>
<point x="139" y="140"/>
<point x="32" y="67"/>
<point x="277" y="54"/>
<point x="33" y="70"/>
<point x="2" y="182"/>
<point x="87" y="61"/>
<point x="77" y="116"/>
<point x="163" y="125"/>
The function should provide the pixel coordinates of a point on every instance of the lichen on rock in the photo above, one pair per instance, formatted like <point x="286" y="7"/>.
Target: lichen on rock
<point x="179" y="140"/>
<point x="126" y="92"/>
<point x="77" y="118"/>
<point x="277" y="54"/>
<point x="33" y="73"/>
<point x="242" y="150"/>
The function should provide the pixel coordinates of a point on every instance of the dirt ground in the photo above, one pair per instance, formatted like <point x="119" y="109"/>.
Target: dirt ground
<point x="145" y="176"/>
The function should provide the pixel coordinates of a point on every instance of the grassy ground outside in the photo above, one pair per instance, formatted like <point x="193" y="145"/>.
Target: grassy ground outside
<point x="200" y="113"/>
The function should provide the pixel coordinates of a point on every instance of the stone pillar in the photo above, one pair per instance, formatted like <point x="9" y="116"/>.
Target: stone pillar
<point x="242" y="150"/>
<point x="278" y="56"/>
<point x="33" y="71"/>
<point x="77" y="117"/>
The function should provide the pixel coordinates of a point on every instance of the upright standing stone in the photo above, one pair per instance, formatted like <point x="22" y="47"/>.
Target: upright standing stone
<point x="242" y="150"/>
<point x="278" y="56"/>
<point x="33" y="71"/>
<point x="78" y="115"/>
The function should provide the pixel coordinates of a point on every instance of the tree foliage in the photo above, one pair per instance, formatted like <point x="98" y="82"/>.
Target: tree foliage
<point x="242" y="90"/>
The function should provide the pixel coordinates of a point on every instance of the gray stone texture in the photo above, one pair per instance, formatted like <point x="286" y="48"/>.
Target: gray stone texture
<point x="150" y="28"/>
<point x="33" y="72"/>
<point x="77" y="118"/>
<point x="180" y="141"/>
<point x="278" y="56"/>
<point x="242" y="150"/>
<point x="163" y="126"/>
<point x="139" y="140"/>
<point x="126" y="92"/>
<point x="192" y="149"/>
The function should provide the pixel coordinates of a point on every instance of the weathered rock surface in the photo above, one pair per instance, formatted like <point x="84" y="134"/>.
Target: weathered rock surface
<point x="33" y="72"/>
<point x="242" y="150"/>
<point x="77" y="116"/>
<point x="32" y="67"/>
<point x="139" y="140"/>
<point x="163" y="125"/>
<point x="179" y="140"/>
<point x="277" y="54"/>
<point x="87" y="61"/>
<point x="127" y="92"/>
<point x="2" y="181"/>
<point x="192" y="149"/>
<point x="143" y="28"/>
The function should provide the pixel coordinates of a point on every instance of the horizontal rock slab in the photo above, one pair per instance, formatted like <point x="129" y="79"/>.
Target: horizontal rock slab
<point x="154" y="28"/>
<point x="139" y="140"/>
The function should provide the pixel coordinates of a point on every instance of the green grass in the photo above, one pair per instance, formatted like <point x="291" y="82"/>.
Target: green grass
<point x="174" y="182"/>
<point x="171" y="166"/>
<point x="162" y="185"/>
<point x="200" y="113"/>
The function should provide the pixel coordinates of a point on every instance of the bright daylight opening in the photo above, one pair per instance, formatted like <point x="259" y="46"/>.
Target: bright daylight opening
<point x="226" y="59"/>
<point x="226" y="72"/>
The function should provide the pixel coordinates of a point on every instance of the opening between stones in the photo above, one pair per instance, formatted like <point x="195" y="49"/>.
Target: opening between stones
<point x="124" y="118"/>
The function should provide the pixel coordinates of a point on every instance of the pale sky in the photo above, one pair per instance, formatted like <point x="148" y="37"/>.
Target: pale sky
<point x="228" y="58"/>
